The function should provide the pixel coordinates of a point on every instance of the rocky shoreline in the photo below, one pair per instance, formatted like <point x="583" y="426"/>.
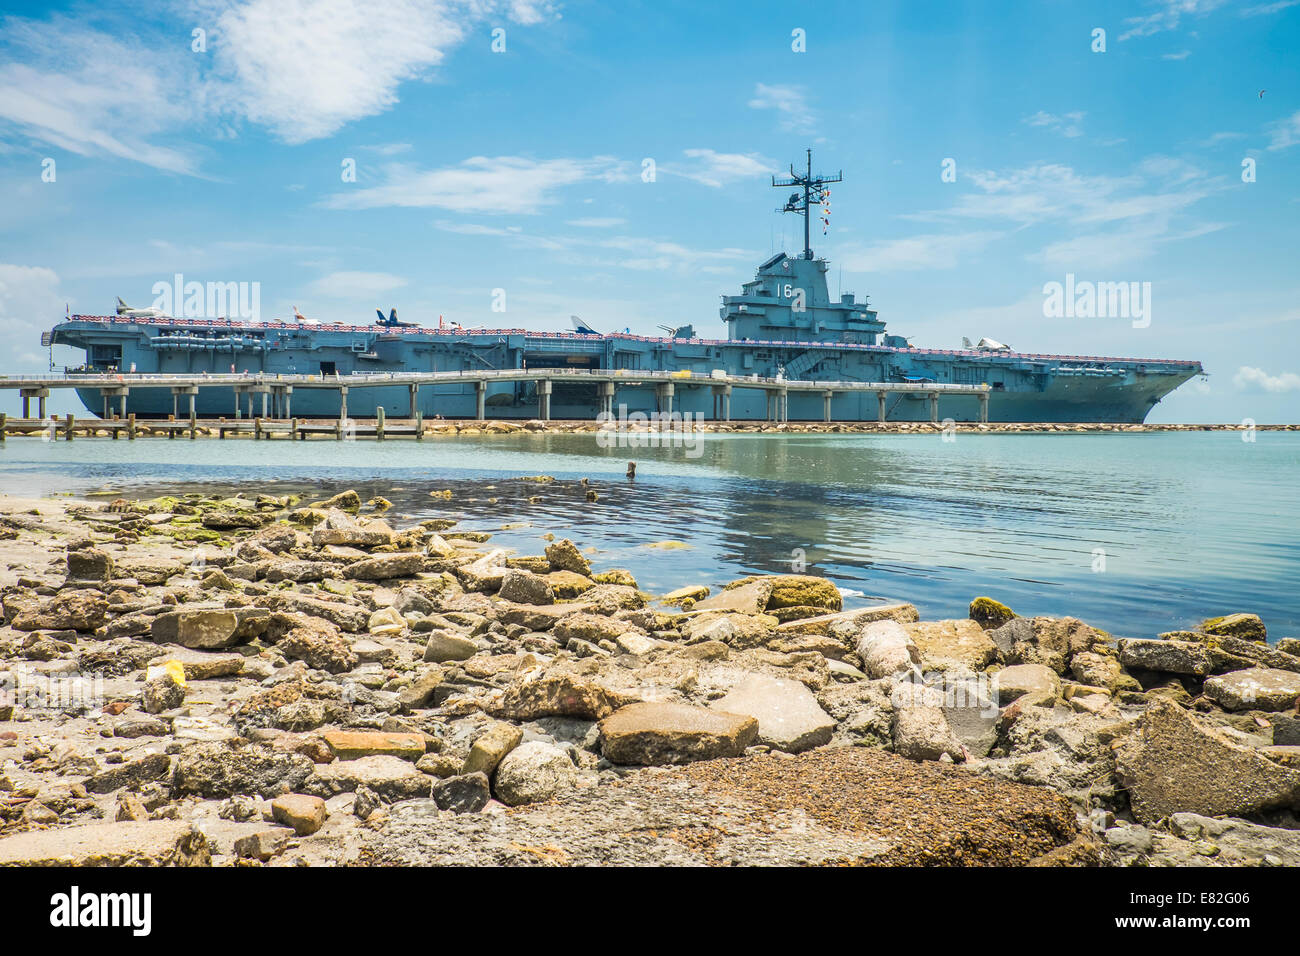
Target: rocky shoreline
<point x="260" y="680"/>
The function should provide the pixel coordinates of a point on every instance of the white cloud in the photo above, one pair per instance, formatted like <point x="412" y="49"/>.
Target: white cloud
<point x="1265" y="9"/>
<point x="716" y="169"/>
<point x="789" y="101"/>
<point x="1286" y="133"/>
<point x="480" y="184"/>
<point x="1180" y="55"/>
<point x="29" y="304"/>
<point x="88" y="93"/>
<point x="596" y="222"/>
<point x="301" y="68"/>
<point x="1168" y="17"/>
<point x="935" y="251"/>
<point x="1256" y="378"/>
<point x="1221" y="137"/>
<point x="1069" y="125"/>
<point x="355" y="285"/>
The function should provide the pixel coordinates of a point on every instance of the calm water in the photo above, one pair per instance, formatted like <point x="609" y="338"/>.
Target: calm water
<point x="1187" y="525"/>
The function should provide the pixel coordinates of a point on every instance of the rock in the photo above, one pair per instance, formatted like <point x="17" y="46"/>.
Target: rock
<point x="163" y="692"/>
<point x="439" y="765"/>
<point x="749" y="596"/>
<point x="1174" y="762"/>
<point x="201" y="665"/>
<point x="341" y="529"/>
<point x="565" y="556"/>
<point x="524" y="587"/>
<point x="562" y="689"/>
<point x="568" y="584"/>
<point x="650" y="734"/>
<point x="351" y="744"/>
<point x="417" y="693"/>
<point x="1170" y="657"/>
<point x="365" y="802"/>
<point x="89" y="564"/>
<point x="346" y="616"/>
<point x="1289" y="645"/>
<point x="491" y="747"/>
<point x="485" y="574"/>
<point x="849" y="623"/>
<point x="1045" y="640"/>
<point x="223" y="519"/>
<point x="886" y="649"/>
<point x="619" y="576"/>
<point x="1036" y="683"/>
<point x="122" y="843"/>
<point x="386" y="622"/>
<point x="803" y="590"/>
<point x="390" y="777"/>
<point x="693" y="592"/>
<point x="263" y="845"/>
<point x="1102" y="670"/>
<point x="38" y="814"/>
<point x="133" y="774"/>
<point x="989" y="614"/>
<point x="130" y="808"/>
<point x="315" y="641"/>
<point x="218" y="770"/>
<point x="958" y="645"/>
<point x="1240" y="843"/>
<point x="1248" y="627"/>
<point x="534" y="772"/>
<point x="306" y="814"/>
<point x="1259" y="688"/>
<point x="70" y="611"/>
<point x="400" y="565"/>
<point x="921" y="732"/>
<point x="131" y="726"/>
<point x="590" y="627"/>
<point x="467" y="793"/>
<point x="445" y="646"/>
<point x="209" y="628"/>
<point x="789" y="717"/>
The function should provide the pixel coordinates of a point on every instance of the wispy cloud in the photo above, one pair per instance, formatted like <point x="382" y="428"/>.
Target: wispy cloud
<point x="301" y="68"/>
<point x="790" y="101"/>
<point x="1100" y="220"/>
<point x="73" y="88"/>
<point x="716" y="169"/>
<point x="596" y="222"/>
<point x="1069" y="125"/>
<point x="1180" y="55"/>
<point x="480" y="184"/>
<point x="1286" y="132"/>
<point x="355" y="285"/>
<point x="1250" y="378"/>
<point x="934" y="251"/>
<point x="1267" y="9"/>
<point x="1168" y="17"/>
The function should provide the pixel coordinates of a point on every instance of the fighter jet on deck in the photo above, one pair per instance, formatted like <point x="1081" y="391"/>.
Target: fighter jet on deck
<point x="126" y="311"/>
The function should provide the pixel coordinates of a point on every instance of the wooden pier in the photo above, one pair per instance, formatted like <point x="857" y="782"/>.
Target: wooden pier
<point x="276" y="397"/>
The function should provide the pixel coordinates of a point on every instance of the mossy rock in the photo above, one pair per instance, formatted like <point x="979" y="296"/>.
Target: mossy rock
<point x="804" y="591"/>
<point x="1248" y="627"/>
<point x="988" y="613"/>
<point x="615" y="576"/>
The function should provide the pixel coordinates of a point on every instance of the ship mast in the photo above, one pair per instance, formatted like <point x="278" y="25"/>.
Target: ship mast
<point x="813" y="194"/>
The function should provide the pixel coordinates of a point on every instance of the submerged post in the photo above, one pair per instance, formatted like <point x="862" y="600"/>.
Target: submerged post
<point x="379" y="423"/>
<point x="72" y="423"/>
<point x="934" y="406"/>
<point x="480" y="387"/>
<point x="984" y="406"/>
<point x="826" y="404"/>
<point x="881" y="397"/>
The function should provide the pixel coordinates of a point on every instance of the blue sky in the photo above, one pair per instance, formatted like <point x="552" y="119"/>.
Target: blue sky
<point x="522" y="170"/>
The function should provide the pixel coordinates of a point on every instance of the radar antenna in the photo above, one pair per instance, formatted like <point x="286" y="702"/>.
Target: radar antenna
<point x="813" y="194"/>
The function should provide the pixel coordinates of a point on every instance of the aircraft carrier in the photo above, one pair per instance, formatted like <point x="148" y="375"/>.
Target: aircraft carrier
<point x="782" y="325"/>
